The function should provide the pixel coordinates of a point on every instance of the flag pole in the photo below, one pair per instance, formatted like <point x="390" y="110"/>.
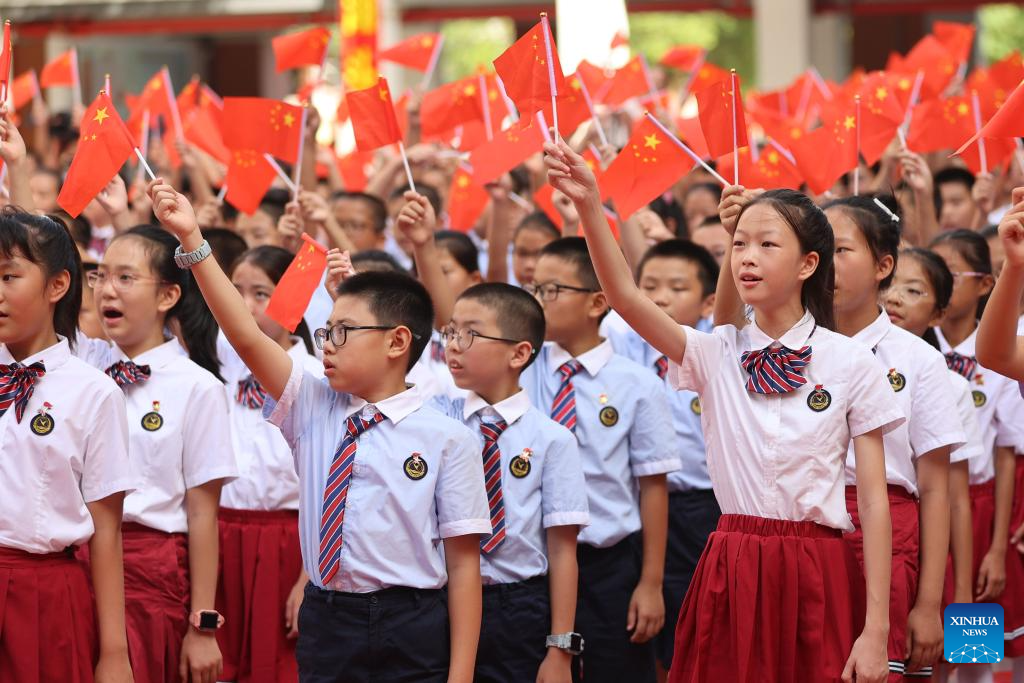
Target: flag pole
<point x="106" y="83"/>
<point x="405" y="162"/>
<point x="856" y="168"/>
<point x="590" y="106"/>
<point x="297" y="171"/>
<point x="179" y="132"/>
<point x="652" y="93"/>
<point x="144" y="164"/>
<point x="485" y="105"/>
<point x="144" y="140"/>
<point x="697" y="66"/>
<point x="689" y="152"/>
<point x="78" y="81"/>
<point x="509" y="104"/>
<point x="915" y="92"/>
<point x="280" y="172"/>
<point x="551" y="72"/>
<point x="735" y="137"/>
<point x="5" y="77"/>
<point x="222" y="193"/>
<point x="977" y="130"/>
<point x="433" y="63"/>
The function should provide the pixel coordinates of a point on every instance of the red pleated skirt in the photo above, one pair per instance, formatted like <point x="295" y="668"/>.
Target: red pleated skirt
<point x="772" y="601"/>
<point x="983" y="514"/>
<point x="1013" y="597"/>
<point x="904" y="511"/>
<point x="47" y="619"/>
<point x="156" y="596"/>
<point x="260" y="562"/>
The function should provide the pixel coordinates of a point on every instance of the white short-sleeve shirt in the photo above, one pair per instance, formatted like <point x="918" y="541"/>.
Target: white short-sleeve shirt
<point x="179" y="435"/>
<point x="51" y="467"/>
<point x="773" y="455"/>
<point x="973" y="449"/>
<point x="394" y="523"/>
<point x="917" y="373"/>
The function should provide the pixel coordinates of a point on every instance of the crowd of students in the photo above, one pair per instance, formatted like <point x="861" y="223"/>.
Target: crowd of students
<point x="756" y="436"/>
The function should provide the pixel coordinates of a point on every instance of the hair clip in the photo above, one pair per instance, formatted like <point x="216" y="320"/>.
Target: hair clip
<point x="892" y="217"/>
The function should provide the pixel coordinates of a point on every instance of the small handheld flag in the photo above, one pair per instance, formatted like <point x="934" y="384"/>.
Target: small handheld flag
<point x="295" y="289"/>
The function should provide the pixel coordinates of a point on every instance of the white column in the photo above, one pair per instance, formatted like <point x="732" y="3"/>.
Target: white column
<point x="59" y="99"/>
<point x="782" y="35"/>
<point x="831" y="49"/>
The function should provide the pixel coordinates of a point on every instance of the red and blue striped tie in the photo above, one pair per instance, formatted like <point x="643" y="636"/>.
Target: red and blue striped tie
<point x="336" y="492"/>
<point x="17" y="382"/>
<point x="661" y="367"/>
<point x="563" y="409"/>
<point x="127" y="373"/>
<point x="251" y="394"/>
<point x="492" y="480"/>
<point x="961" y="365"/>
<point x="775" y="370"/>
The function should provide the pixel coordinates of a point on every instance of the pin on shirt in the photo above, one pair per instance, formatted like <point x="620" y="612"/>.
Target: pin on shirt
<point x="520" y="465"/>
<point x="42" y="424"/>
<point x="980" y="399"/>
<point x="415" y="467"/>
<point x="819" y="399"/>
<point x="695" y="405"/>
<point x="897" y="380"/>
<point x="609" y="416"/>
<point x="152" y="420"/>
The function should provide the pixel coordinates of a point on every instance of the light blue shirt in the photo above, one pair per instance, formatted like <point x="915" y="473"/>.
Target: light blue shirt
<point x="552" y="493"/>
<point x="631" y="441"/>
<point x="393" y="524"/>
<point x="685" y="408"/>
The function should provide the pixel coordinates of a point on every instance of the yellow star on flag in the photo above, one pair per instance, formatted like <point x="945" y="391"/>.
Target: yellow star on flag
<point x="850" y="123"/>
<point x="289" y="119"/>
<point x="651" y="141"/>
<point x="101" y="115"/>
<point x="962" y="109"/>
<point x="881" y="94"/>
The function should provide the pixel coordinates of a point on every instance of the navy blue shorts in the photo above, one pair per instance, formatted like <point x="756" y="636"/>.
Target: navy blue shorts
<point x="516" y="622"/>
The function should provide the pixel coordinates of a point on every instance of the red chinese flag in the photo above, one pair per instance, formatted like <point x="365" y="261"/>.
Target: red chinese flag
<point x="880" y="115"/>
<point x="5" y="56"/>
<point x="771" y="170"/>
<point x="782" y="128"/>
<point x="373" y="117"/>
<point x="683" y="57"/>
<point x="999" y="133"/>
<point x="690" y="133"/>
<point x="103" y="147"/>
<point x="707" y="75"/>
<point x="957" y="38"/>
<point x="466" y="200"/>
<point x="59" y="71"/>
<point x="248" y="178"/>
<point x="530" y="70"/>
<point x="996" y="83"/>
<point x="291" y="297"/>
<point x="940" y="124"/>
<point x="24" y="89"/>
<point x="352" y="168"/>
<point x="595" y="78"/>
<point x="416" y="52"/>
<point x="508" y="149"/>
<point x="451" y="105"/>
<point x="203" y="130"/>
<point x="620" y="39"/>
<point x="717" y="117"/>
<point x="936" y="62"/>
<point x="545" y="201"/>
<point x="158" y="98"/>
<point x="826" y="153"/>
<point x="305" y="48"/>
<point x="628" y="82"/>
<point x="263" y="125"/>
<point x="648" y="165"/>
<point x="572" y="107"/>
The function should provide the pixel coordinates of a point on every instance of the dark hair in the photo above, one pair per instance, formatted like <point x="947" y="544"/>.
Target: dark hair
<point x="539" y="221"/>
<point x="667" y="208"/>
<point x="973" y="248"/>
<point x="428" y="191"/>
<point x="880" y="231"/>
<point x="47" y="243"/>
<point x="395" y="299"/>
<point x="814" y="233"/>
<point x="685" y="250"/>
<point x="461" y="249"/>
<point x="989" y="231"/>
<point x="377" y="208"/>
<point x="198" y="327"/>
<point x="274" y="261"/>
<point x="274" y="202"/>
<point x="227" y="246"/>
<point x="520" y="315"/>
<point x="713" y="188"/>
<point x="941" y="280"/>
<point x="573" y="250"/>
<point x="376" y="259"/>
<point x="80" y="227"/>
<point x="949" y="176"/>
<point x="711" y="220"/>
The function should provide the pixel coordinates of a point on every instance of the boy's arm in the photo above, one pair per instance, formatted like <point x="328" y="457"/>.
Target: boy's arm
<point x="569" y="173"/>
<point x="13" y="153"/>
<point x="200" y="654"/>
<point x="417" y="221"/>
<point x="465" y="604"/>
<point x="647" y="606"/>
<point x="960" y="531"/>
<point x="998" y="346"/>
<point x="563" y="578"/>
<point x="269" y="363"/>
<point x="500" y="228"/>
<point x="729" y="309"/>
<point x="107" y="569"/>
<point x="992" y="572"/>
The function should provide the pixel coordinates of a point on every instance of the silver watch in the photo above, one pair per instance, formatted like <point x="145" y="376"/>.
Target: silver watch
<point x="186" y="260"/>
<point x="570" y="642"/>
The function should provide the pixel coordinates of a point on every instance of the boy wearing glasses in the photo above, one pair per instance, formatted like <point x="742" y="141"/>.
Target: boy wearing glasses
<point x="617" y="410"/>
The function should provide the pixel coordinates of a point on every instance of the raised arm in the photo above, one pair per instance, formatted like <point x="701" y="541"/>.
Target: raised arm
<point x="500" y="226"/>
<point x="416" y="221"/>
<point x="569" y="173"/>
<point x="13" y="153"/>
<point x="269" y="363"/>
<point x="999" y="347"/>
<point x="728" y="305"/>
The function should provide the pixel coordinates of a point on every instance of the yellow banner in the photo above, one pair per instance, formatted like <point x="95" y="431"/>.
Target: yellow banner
<point x="358" y="54"/>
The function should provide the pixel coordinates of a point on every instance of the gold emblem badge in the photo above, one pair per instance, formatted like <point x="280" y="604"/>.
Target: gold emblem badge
<point x="520" y="465"/>
<point x="979" y="398"/>
<point x="153" y="421"/>
<point x="695" y="405"/>
<point x="897" y="380"/>
<point x="42" y="424"/>
<point x="819" y="399"/>
<point x="609" y="416"/>
<point x="415" y="467"/>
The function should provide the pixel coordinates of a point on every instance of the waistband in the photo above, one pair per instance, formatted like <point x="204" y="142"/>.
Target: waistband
<point x="529" y="585"/>
<point x="623" y="547"/>
<point x="763" y="526"/>
<point x="398" y="595"/>
<point x="141" y="530"/>
<point x="257" y="516"/>
<point x="985" y="488"/>
<point x="897" y="494"/>
<point x="13" y="557"/>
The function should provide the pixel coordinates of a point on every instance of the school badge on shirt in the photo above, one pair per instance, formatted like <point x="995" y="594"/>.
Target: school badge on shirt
<point x="695" y="405"/>
<point x="819" y="399"/>
<point x="415" y="467"/>
<point x="520" y="465"/>
<point x="609" y="416"/>
<point x="897" y="380"/>
<point x="152" y="420"/>
<point x="980" y="399"/>
<point x="42" y="424"/>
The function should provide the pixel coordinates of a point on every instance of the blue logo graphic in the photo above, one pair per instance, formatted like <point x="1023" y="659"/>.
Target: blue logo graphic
<point x="973" y="633"/>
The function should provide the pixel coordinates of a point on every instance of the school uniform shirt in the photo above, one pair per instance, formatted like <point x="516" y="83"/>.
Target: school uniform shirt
<point x="76" y="452"/>
<point x="1000" y="410"/>
<point x="972" y="450"/>
<point x="551" y="493"/>
<point x="393" y="523"/>
<point x="772" y="455"/>
<point x="266" y="470"/>
<point x="179" y="435"/>
<point x="623" y="430"/>
<point x="685" y="409"/>
<point x="918" y="378"/>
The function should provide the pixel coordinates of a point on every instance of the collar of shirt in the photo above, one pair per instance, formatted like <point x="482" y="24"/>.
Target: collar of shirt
<point x="157" y="357"/>
<point x="592" y="360"/>
<point x="395" y="408"/>
<point x="873" y="334"/>
<point x="509" y="410"/>
<point x="795" y="337"/>
<point x="52" y="356"/>
<point x="965" y="348"/>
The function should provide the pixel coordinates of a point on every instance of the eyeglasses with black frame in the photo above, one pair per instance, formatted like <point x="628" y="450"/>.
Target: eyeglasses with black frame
<point x="549" y="291"/>
<point x="463" y="337"/>
<point x="338" y="333"/>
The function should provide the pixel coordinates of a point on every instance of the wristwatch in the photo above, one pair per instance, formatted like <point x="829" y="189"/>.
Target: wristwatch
<point x="186" y="260"/>
<point x="206" y="620"/>
<point x="570" y="642"/>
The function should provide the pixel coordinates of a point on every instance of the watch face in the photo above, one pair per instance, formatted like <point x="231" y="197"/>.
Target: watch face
<point x="208" y="621"/>
<point x="575" y="642"/>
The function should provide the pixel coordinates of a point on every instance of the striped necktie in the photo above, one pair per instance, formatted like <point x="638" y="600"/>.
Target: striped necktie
<point x="563" y="409"/>
<point x="961" y="365"/>
<point x="17" y="382"/>
<point x="775" y="369"/>
<point x="336" y="492"/>
<point x="251" y="394"/>
<point x="661" y="366"/>
<point x="492" y="479"/>
<point x="127" y="373"/>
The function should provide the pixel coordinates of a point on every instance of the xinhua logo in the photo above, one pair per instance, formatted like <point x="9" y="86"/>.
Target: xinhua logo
<point x="973" y="633"/>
